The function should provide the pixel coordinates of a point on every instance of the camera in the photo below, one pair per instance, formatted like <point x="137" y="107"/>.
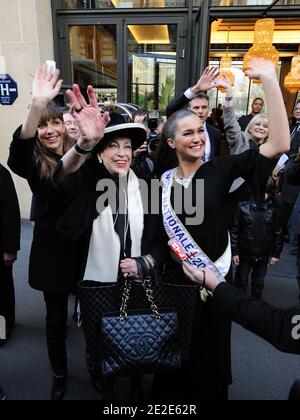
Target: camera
<point x="153" y="137"/>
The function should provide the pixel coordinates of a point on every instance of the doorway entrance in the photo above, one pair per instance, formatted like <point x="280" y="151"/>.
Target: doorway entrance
<point x="131" y="59"/>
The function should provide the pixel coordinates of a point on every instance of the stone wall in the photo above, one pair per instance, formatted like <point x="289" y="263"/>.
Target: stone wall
<point x="26" y="40"/>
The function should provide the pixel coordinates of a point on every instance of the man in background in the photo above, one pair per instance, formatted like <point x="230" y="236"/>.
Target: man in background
<point x="256" y="108"/>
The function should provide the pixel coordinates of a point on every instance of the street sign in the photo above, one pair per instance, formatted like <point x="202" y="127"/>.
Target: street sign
<point x="8" y="90"/>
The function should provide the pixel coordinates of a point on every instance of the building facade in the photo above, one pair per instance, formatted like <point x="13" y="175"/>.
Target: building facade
<point x="139" y="51"/>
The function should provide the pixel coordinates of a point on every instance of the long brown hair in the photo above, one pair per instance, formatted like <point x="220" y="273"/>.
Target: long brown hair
<point x="44" y="157"/>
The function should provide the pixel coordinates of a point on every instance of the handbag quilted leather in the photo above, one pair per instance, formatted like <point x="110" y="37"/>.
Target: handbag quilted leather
<point x="142" y="344"/>
<point x="98" y="299"/>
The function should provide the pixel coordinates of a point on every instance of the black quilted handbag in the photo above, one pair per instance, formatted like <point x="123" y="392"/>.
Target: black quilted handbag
<point x="140" y="341"/>
<point x="97" y="299"/>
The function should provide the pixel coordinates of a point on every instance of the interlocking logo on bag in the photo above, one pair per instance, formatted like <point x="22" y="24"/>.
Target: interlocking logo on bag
<point x="141" y="348"/>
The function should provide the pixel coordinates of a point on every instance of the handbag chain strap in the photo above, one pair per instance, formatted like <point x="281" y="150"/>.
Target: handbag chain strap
<point x="146" y="283"/>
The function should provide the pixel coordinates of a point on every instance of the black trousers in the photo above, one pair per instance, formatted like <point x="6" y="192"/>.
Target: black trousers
<point x="56" y="330"/>
<point x="259" y="270"/>
<point x="7" y="294"/>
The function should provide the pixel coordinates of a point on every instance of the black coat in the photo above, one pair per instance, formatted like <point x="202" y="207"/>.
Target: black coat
<point x="244" y="121"/>
<point x="9" y="214"/>
<point x="54" y="262"/>
<point x="76" y="223"/>
<point x="256" y="232"/>
<point x="280" y="327"/>
<point x="290" y="190"/>
<point x="180" y="102"/>
<point x="274" y="325"/>
<point x="292" y="173"/>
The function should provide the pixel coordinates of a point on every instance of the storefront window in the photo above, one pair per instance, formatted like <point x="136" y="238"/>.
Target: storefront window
<point x="93" y="51"/>
<point x="121" y="4"/>
<point x="233" y="3"/>
<point x="244" y="91"/>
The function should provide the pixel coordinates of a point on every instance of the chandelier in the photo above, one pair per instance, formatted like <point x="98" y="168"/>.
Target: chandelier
<point x="225" y="70"/>
<point x="292" y="80"/>
<point x="262" y="45"/>
<point x="225" y="67"/>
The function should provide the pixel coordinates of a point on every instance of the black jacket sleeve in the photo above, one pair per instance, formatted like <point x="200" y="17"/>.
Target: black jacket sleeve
<point x="279" y="327"/>
<point x="21" y="156"/>
<point x="292" y="171"/>
<point x="234" y="233"/>
<point x="178" y="103"/>
<point x="9" y="214"/>
<point x="278" y="231"/>
<point x="253" y="167"/>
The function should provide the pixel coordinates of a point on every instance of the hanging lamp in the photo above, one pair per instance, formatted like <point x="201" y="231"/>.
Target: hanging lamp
<point x="225" y="67"/>
<point x="292" y="80"/>
<point x="262" y="44"/>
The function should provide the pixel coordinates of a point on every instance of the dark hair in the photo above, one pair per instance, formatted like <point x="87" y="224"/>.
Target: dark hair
<point x="201" y="95"/>
<point x="167" y="157"/>
<point x="260" y="99"/>
<point x="271" y="187"/>
<point x="43" y="156"/>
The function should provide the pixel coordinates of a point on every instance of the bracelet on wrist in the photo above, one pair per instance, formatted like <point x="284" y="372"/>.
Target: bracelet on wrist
<point x="80" y="150"/>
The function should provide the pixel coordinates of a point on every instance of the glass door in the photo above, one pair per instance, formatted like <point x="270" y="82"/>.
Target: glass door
<point x="93" y="58"/>
<point x="127" y="59"/>
<point x="153" y="52"/>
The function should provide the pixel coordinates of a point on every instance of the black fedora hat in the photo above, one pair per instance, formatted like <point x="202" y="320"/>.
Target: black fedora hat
<point x="118" y="127"/>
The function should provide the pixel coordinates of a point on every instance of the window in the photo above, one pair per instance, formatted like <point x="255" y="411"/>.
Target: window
<point x="121" y="4"/>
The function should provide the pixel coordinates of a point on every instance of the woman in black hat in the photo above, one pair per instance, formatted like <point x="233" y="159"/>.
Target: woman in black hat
<point x="107" y="210"/>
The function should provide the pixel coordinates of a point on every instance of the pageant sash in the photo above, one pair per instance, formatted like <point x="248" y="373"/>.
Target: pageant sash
<point x="175" y="229"/>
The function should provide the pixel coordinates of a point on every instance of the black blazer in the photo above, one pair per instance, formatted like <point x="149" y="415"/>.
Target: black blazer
<point x="244" y="121"/>
<point x="273" y="325"/>
<point x="292" y="174"/>
<point x="295" y="142"/>
<point x="180" y="102"/>
<point x="9" y="214"/>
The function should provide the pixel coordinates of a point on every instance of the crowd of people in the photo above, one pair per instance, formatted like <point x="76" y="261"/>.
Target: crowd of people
<point x="64" y="155"/>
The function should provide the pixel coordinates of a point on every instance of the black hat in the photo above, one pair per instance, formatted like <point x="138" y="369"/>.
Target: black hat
<point x="118" y="127"/>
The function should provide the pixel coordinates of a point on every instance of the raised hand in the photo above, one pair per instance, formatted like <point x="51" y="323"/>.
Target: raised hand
<point x="46" y="85"/>
<point x="223" y="82"/>
<point x="90" y="121"/>
<point x="259" y="68"/>
<point x="206" y="81"/>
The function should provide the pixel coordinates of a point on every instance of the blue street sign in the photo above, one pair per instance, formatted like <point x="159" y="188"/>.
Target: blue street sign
<point x="8" y="90"/>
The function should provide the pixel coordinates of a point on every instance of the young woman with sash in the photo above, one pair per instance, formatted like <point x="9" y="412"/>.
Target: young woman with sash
<point x="207" y="245"/>
<point x="116" y="239"/>
<point x="36" y="148"/>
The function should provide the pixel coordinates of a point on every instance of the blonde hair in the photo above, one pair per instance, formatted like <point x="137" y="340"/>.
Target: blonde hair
<point x="254" y="121"/>
<point x="43" y="156"/>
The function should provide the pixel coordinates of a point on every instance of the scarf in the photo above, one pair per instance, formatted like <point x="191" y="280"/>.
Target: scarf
<point x="105" y="246"/>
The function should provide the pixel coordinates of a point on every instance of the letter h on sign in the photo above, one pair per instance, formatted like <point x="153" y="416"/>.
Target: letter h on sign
<point x="4" y="90"/>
